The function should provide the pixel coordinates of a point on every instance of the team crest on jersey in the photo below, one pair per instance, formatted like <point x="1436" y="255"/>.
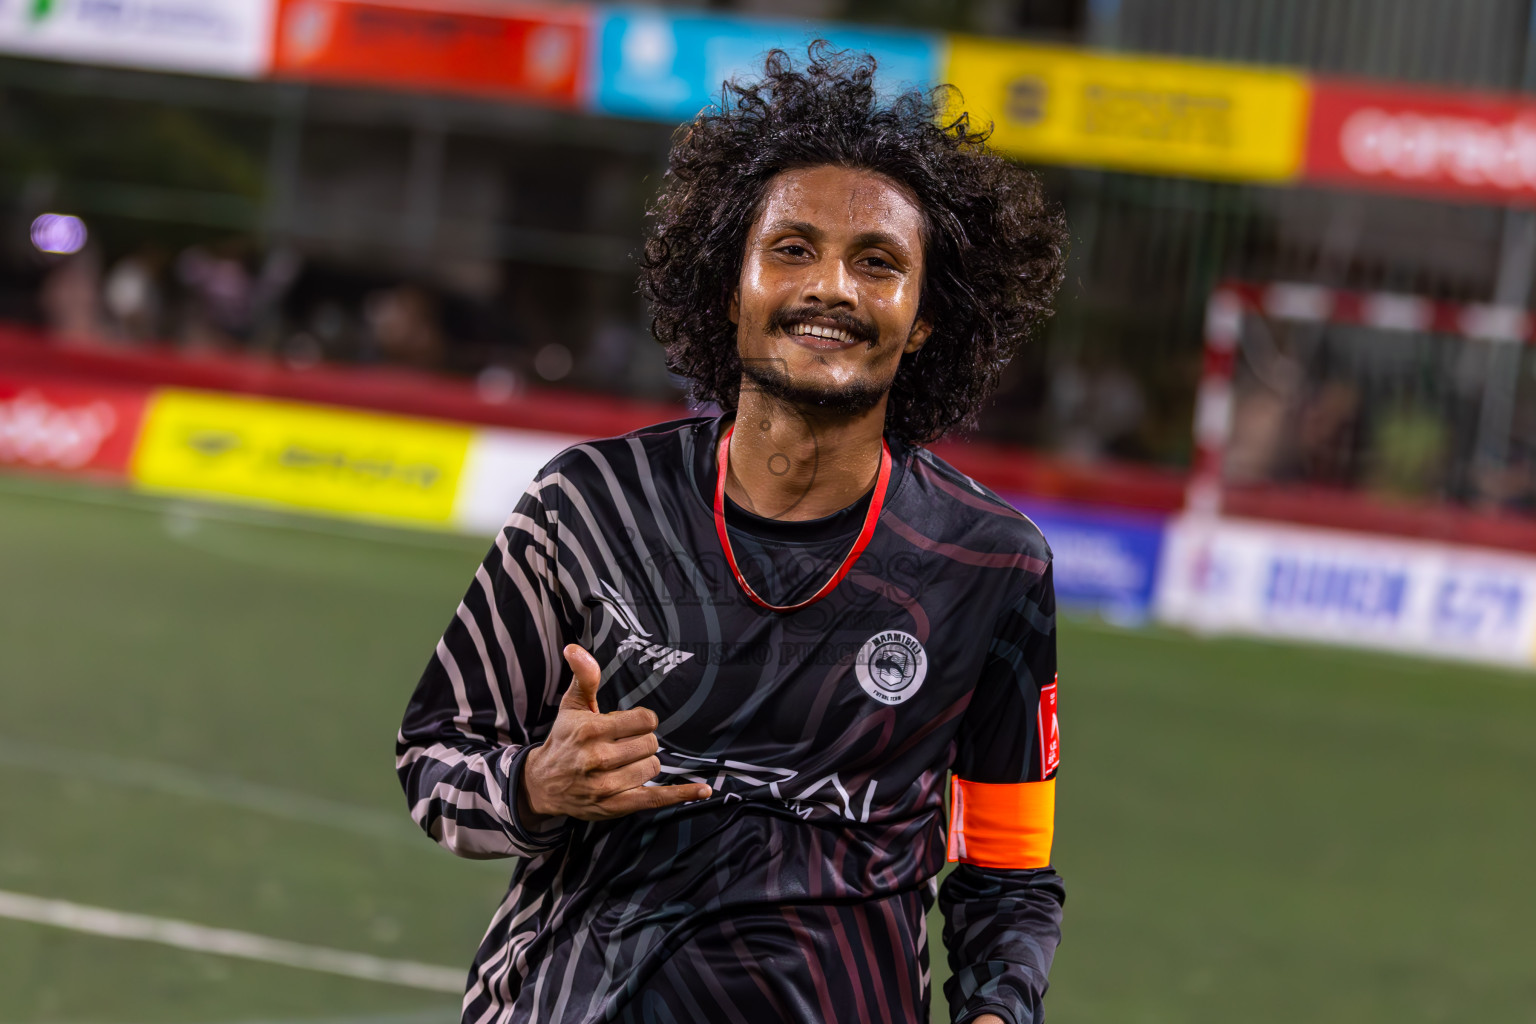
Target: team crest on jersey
<point x="891" y="666"/>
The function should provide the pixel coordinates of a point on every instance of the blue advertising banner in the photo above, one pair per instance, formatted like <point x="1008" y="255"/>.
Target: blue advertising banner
<point x="1105" y="559"/>
<point x="667" y="66"/>
<point x="1337" y="586"/>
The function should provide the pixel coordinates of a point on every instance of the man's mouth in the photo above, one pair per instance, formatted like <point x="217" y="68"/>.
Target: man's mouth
<point x="822" y="329"/>
<point x="809" y="330"/>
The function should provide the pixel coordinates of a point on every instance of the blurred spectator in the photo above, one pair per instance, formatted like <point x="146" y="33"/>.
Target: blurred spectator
<point x="278" y="273"/>
<point x="336" y="332"/>
<point x="1409" y="447"/>
<point x="132" y="296"/>
<point x="1327" y="429"/>
<point x="1261" y="413"/>
<point x="1098" y="411"/>
<point x="403" y="324"/>
<point x="71" y="298"/>
<point x="1512" y="487"/>
<point x="219" y="290"/>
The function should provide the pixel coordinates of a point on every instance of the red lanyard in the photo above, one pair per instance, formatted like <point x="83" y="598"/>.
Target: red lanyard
<point x="876" y="502"/>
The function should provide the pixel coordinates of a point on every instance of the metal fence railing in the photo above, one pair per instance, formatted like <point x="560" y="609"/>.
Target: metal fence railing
<point x="1388" y="394"/>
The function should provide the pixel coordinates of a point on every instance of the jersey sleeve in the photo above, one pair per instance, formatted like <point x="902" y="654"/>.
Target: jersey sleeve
<point x="1002" y="903"/>
<point x="489" y="694"/>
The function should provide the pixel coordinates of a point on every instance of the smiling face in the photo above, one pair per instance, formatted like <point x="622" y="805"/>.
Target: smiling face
<point x="830" y="284"/>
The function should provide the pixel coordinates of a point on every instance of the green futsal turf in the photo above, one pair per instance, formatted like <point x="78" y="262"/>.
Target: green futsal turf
<point x="197" y="712"/>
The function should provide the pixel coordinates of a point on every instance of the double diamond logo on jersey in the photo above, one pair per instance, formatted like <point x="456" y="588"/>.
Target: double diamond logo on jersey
<point x="891" y="666"/>
<point x="664" y="659"/>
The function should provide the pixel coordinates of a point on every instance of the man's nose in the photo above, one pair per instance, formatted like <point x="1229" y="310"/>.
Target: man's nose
<point x="830" y="283"/>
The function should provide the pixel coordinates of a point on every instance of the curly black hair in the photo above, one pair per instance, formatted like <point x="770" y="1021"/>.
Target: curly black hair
<point x="994" y="244"/>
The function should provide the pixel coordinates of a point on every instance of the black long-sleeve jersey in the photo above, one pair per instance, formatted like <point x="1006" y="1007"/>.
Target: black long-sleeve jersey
<point x="799" y="890"/>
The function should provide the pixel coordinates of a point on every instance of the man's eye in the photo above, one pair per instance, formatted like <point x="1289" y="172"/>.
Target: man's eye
<point x="793" y="250"/>
<point x="879" y="263"/>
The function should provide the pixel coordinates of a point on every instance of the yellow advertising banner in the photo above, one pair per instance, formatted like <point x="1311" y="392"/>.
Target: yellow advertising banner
<point x="320" y="458"/>
<point x="1059" y="105"/>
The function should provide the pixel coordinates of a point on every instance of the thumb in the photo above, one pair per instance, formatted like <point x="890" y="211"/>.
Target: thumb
<point x="586" y="677"/>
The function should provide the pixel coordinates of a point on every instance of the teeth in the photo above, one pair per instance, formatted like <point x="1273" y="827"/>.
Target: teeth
<point x="818" y="331"/>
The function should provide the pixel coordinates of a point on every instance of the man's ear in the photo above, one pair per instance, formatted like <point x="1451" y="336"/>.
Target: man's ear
<point x="918" y="337"/>
<point x="733" y="308"/>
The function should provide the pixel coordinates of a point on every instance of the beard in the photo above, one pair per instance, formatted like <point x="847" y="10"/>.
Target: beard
<point x="771" y="378"/>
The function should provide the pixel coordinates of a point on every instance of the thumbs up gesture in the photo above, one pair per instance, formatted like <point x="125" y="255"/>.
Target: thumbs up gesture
<point x="596" y="766"/>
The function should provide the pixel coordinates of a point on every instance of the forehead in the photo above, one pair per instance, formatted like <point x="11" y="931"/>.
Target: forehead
<point x="837" y="200"/>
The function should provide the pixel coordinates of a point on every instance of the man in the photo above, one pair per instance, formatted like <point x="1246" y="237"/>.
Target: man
<point x="707" y="686"/>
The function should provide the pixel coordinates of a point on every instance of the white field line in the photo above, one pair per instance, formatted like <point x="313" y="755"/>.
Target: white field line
<point x="422" y="1017"/>
<point x="223" y="942"/>
<point x="181" y="782"/>
<point x="428" y="1017"/>
<point x="113" y="496"/>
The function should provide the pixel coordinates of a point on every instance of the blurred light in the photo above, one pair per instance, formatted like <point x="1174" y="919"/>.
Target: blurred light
<point x="649" y="47"/>
<point x="553" y="362"/>
<point x="307" y="29"/>
<point x="58" y="233"/>
<point x="497" y="384"/>
<point x="550" y="52"/>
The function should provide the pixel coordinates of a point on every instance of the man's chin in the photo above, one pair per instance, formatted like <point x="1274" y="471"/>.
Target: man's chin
<point x="812" y="396"/>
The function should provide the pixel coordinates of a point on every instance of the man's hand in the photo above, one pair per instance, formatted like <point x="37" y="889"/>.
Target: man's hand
<point x="987" y="1018"/>
<point x="593" y="765"/>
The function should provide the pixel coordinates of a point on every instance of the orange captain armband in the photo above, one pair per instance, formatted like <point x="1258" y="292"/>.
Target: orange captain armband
<point x="1002" y="825"/>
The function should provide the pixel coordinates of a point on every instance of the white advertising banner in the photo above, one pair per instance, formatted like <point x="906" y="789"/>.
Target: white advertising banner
<point x="228" y="38"/>
<point x="1416" y="597"/>
<point x="498" y="468"/>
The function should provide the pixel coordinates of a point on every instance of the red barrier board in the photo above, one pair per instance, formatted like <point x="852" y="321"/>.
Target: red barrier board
<point x="1466" y="145"/>
<point x="67" y="426"/>
<point x="525" y="53"/>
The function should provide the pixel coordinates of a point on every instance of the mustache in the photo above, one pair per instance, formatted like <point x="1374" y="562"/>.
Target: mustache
<point x="781" y="320"/>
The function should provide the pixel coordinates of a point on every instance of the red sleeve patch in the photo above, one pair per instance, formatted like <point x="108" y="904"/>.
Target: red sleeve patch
<point x="1050" y="734"/>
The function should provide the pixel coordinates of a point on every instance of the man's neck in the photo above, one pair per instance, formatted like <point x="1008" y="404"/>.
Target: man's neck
<point x="790" y="463"/>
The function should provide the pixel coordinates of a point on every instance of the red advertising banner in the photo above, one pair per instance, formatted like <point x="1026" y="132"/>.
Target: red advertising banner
<point x="525" y="53"/>
<point x="1474" y="146"/>
<point x="67" y="426"/>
